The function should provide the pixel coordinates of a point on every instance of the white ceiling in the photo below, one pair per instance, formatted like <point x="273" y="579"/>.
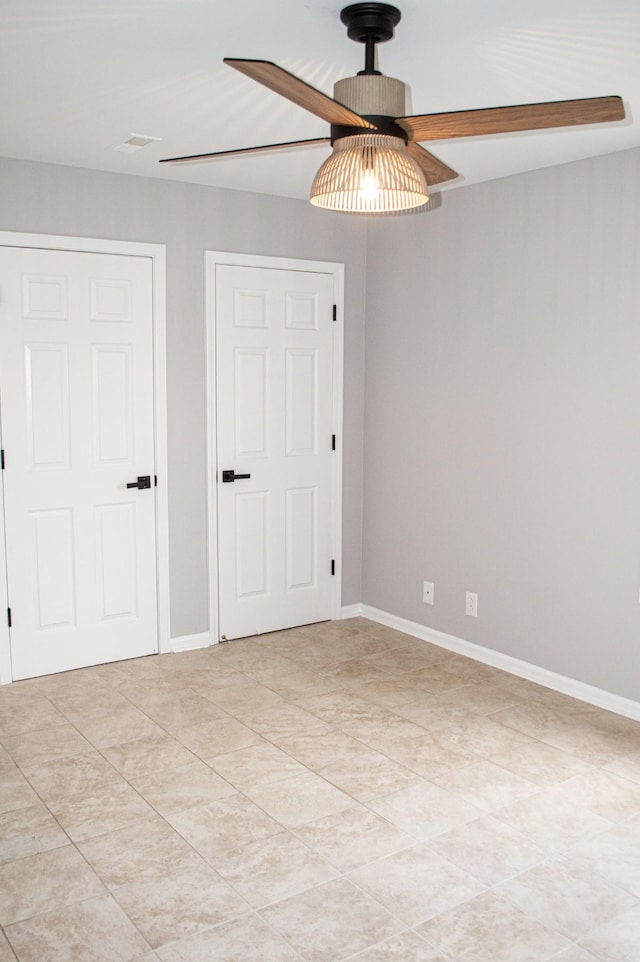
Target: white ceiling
<point x="78" y="77"/>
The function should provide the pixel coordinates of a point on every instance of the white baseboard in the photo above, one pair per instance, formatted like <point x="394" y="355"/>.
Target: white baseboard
<point x="523" y="669"/>
<point x="351" y="611"/>
<point x="188" y="642"/>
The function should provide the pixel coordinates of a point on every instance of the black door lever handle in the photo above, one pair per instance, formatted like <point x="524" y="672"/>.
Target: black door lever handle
<point x="144" y="481"/>
<point x="232" y="476"/>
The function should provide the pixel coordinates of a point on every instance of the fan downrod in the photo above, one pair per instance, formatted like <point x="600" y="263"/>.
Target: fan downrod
<point x="370" y="23"/>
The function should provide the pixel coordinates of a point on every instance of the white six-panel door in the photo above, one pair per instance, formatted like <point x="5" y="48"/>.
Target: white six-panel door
<point x="76" y="376"/>
<point x="274" y="403"/>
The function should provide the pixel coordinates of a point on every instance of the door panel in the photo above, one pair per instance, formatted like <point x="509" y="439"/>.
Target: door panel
<point x="76" y="383"/>
<point x="274" y="356"/>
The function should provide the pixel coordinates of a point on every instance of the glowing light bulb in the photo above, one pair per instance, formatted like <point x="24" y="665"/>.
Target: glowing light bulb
<point x="370" y="186"/>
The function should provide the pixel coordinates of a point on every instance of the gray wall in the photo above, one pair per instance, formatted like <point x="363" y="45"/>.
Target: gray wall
<point x="502" y="427"/>
<point x="190" y="219"/>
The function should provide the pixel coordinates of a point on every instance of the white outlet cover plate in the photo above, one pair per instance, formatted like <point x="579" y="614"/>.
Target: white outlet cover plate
<point x="427" y="592"/>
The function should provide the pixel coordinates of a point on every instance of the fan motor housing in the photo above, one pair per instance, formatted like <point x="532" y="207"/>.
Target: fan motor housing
<point x="375" y="97"/>
<point x="372" y="94"/>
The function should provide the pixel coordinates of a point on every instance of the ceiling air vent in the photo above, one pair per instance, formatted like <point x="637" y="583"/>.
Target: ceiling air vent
<point x="135" y="142"/>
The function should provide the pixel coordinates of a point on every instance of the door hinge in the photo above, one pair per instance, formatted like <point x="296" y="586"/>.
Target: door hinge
<point x="9" y="617"/>
<point x="333" y="442"/>
<point x="333" y="567"/>
<point x="335" y="312"/>
<point x="155" y="480"/>
<point x="2" y="459"/>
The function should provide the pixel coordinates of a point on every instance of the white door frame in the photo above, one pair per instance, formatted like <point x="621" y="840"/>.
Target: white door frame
<point x="212" y="260"/>
<point x="158" y="258"/>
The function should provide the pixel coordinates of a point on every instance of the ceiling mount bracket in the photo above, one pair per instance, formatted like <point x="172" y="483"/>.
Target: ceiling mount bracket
<point x="370" y="23"/>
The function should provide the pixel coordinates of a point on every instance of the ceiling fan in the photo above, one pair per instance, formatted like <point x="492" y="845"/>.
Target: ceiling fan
<point x="378" y="163"/>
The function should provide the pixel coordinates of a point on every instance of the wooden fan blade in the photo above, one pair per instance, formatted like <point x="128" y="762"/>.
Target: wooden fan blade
<point x="244" y="150"/>
<point x="500" y="120"/>
<point x="433" y="169"/>
<point x="303" y="94"/>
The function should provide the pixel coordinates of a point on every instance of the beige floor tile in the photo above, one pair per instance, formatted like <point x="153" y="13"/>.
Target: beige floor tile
<point x="489" y="928"/>
<point x="40" y="746"/>
<point x="486" y="785"/>
<point x="469" y="671"/>
<point x="144" y="692"/>
<point x="182" y="708"/>
<point x="89" y="704"/>
<point x="62" y="777"/>
<point x="217" y="737"/>
<point x="425" y="810"/>
<point x="125" y="724"/>
<point x="353" y="674"/>
<point x="482" y="698"/>
<point x="143" y="756"/>
<point x="568" y="897"/>
<point x="247" y="939"/>
<point x="617" y="940"/>
<point x="411" y="658"/>
<point x="575" y="954"/>
<point x="6" y="952"/>
<point x="319" y="748"/>
<point x="283" y="720"/>
<point x="273" y="868"/>
<point x="165" y="908"/>
<point x="614" y="854"/>
<point x="27" y="831"/>
<point x="429" y="755"/>
<point x="416" y="884"/>
<point x="245" y="698"/>
<point x="378" y="727"/>
<point x="353" y="838"/>
<point x="551" y="820"/>
<point x="487" y="737"/>
<point x="256" y="767"/>
<point x="295" y="683"/>
<point x="7" y="764"/>
<point x="541" y="763"/>
<point x="341" y="705"/>
<point x="407" y="947"/>
<point x="28" y="715"/>
<point x="432" y="718"/>
<point x="395" y="690"/>
<point x="40" y="883"/>
<point x="531" y="717"/>
<point x="93" y="931"/>
<point x="221" y="827"/>
<point x="146" y="849"/>
<point x="488" y="850"/>
<point x="15" y="790"/>
<point x="443" y="676"/>
<point x="628" y="766"/>
<point x="270" y="666"/>
<point x="300" y="799"/>
<point x="331" y="922"/>
<point x="107" y="808"/>
<point x="368" y="775"/>
<point x="170" y="791"/>
<point x="590" y="742"/>
<point x="611" y="796"/>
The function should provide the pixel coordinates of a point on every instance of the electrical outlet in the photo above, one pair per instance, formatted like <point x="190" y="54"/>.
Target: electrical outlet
<point x="427" y="592"/>
<point x="471" y="604"/>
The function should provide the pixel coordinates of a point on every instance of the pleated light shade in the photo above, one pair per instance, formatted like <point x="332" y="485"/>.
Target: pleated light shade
<point x="369" y="174"/>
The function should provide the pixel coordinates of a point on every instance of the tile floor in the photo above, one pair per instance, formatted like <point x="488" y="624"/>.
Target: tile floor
<point x="340" y="791"/>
